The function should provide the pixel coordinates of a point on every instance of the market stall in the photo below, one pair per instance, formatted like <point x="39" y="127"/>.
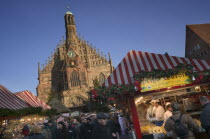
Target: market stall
<point x="8" y="101"/>
<point x="138" y="68"/>
<point x="32" y="100"/>
<point x="19" y="109"/>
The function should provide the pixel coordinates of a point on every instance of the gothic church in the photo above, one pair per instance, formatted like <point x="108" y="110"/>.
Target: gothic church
<point x="71" y="69"/>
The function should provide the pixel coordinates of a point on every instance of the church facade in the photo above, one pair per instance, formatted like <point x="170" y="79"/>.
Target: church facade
<point x="70" y="71"/>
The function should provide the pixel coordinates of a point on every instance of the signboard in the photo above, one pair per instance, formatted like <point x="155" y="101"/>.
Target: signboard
<point x="155" y="84"/>
<point x="75" y="113"/>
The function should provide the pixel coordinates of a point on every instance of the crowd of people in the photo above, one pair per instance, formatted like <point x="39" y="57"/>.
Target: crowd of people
<point x="117" y="125"/>
<point x="101" y="126"/>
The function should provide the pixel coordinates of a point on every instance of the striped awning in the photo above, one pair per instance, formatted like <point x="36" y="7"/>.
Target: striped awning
<point x="136" y="61"/>
<point x="9" y="100"/>
<point x="32" y="100"/>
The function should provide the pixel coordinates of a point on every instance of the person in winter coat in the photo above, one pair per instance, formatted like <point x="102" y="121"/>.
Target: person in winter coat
<point x="205" y="115"/>
<point x="62" y="131"/>
<point x="72" y="130"/>
<point x="53" y="129"/>
<point x="85" y="129"/>
<point x="101" y="130"/>
<point x="186" y="120"/>
<point x="114" y="125"/>
<point x="46" y="131"/>
<point x="35" y="133"/>
<point x="25" y="130"/>
<point x="124" y="124"/>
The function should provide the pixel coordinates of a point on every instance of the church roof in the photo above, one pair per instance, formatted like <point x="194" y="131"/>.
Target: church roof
<point x="69" y="12"/>
<point x="202" y="30"/>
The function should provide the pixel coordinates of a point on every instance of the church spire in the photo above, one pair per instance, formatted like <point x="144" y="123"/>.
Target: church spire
<point x="71" y="33"/>
<point x="110" y="62"/>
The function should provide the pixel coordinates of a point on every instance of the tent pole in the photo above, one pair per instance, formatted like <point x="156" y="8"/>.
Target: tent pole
<point x="135" y="118"/>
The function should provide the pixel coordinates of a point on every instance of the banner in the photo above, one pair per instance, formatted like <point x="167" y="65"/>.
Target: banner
<point x="155" y="84"/>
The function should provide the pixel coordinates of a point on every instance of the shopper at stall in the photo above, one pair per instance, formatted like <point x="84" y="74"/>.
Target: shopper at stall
<point x="25" y="130"/>
<point x="113" y="123"/>
<point x="46" y="131"/>
<point x="186" y="124"/>
<point x="159" y="112"/>
<point x="62" y="130"/>
<point x="53" y="128"/>
<point x="35" y="133"/>
<point x="85" y="128"/>
<point x="124" y="124"/>
<point x="101" y="130"/>
<point x="205" y="115"/>
<point x="168" y="112"/>
<point x="72" y="130"/>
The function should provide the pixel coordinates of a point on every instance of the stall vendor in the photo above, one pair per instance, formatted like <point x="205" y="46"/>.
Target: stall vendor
<point x="168" y="112"/>
<point x="150" y="110"/>
<point x="159" y="113"/>
<point x="150" y="116"/>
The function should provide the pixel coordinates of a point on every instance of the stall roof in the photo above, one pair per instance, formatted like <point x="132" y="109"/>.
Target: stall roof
<point x="9" y="100"/>
<point x="31" y="99"/>
<point x="136" y="61"/>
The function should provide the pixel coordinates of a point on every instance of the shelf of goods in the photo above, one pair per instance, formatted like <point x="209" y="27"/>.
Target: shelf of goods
<point x="159" y="132"/>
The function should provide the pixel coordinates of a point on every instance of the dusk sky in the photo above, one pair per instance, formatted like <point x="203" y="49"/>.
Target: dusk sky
<point x="31" y="29"/>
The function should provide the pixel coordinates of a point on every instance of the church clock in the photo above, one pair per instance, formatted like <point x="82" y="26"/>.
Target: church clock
<point x="71" y="54"/>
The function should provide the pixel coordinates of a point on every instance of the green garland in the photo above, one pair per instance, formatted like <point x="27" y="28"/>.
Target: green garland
<point x="4" y="112"/>
<point x="109" y="95"/>
<point x="186" y="68"/>
<point x="157" y="74"/>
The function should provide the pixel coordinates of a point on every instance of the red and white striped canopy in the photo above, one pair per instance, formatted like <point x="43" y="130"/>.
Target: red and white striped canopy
<point x="136" y="61"/>
<point x="32" y="100"/>
<point x="9" y="100"/>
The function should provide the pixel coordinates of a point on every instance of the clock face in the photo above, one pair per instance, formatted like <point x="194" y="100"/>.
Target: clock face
<point x="71" y="54"/>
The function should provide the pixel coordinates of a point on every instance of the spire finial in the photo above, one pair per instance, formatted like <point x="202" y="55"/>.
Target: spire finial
<point x="68" y="3"/>
<point x="38" y="67"/>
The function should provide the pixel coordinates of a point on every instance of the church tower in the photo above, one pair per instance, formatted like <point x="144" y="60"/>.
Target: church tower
<point x="70" y="71"/>
<point x="71" y="33"/>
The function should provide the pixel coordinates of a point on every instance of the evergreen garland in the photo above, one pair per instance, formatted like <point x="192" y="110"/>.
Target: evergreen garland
<point x="5" y="112"/>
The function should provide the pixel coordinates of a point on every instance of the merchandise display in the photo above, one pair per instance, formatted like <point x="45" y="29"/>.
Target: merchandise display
<point x="13" y="127"/>
<point x="188" y="100"/>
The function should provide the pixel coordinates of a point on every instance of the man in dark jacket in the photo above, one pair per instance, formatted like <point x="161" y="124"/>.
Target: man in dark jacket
<point x="72" y="130"/>
<point x="85" y="128"/>
<point x="189" y="124"/>
<point x="53" y="129"/>
<point x="101" y="130"/>
<point x="205" y="115"/>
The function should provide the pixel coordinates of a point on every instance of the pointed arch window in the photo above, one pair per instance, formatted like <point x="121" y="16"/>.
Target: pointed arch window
<point x="74" y="79"/>
<point x="101" y="78"/>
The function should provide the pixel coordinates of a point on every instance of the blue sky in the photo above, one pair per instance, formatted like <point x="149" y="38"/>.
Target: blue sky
<point x="31" y="29"/>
